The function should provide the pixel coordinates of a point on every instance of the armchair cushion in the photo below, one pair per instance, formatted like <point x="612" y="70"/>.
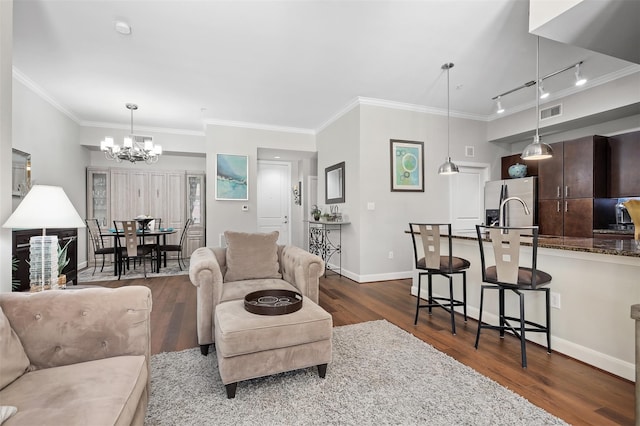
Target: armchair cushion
<point x="251" y="256"/>
<point x="14" y="361"/>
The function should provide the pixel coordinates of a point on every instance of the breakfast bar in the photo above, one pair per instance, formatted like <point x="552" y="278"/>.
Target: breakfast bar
<point x="595" y="281"/>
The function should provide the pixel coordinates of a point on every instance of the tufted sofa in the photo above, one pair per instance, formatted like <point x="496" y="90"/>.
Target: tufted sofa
<point x="210" y="271"/>
<point x="75" y="357"/>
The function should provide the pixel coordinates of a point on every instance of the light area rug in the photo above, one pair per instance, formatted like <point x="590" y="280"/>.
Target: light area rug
<point x="86" y="275"/>
<point x="380" y="374"/>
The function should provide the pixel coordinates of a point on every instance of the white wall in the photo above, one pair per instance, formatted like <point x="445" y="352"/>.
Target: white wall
<point x="6" y="83"/>
<point x="386" y="224"/>
<point x="49" y="136"/>
<point x="361" y="138"/>
<point x="338" y="142"/>
<point x="227" y="215"/>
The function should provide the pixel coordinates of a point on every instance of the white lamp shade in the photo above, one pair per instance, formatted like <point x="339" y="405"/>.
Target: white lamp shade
<point x="45" y="207"/>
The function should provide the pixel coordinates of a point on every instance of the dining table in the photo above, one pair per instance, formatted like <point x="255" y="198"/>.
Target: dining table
<point x="157" y="233"/>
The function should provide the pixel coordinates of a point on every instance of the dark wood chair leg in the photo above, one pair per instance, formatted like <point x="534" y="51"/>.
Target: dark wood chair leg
<point x="231" y="390"/>
<point x="322" y="370"/>
<point x="204" y="350"/>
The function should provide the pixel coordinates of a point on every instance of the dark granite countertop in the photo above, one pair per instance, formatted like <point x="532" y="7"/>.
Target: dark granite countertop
<point x="616" y="247"/>
<point x="614" y="231"/>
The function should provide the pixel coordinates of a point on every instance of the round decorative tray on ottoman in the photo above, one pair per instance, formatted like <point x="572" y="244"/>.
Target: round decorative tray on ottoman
<point x="273" y="302"/>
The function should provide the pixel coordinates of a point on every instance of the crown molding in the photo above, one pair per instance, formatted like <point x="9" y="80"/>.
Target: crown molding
<point x="341" y="112"/>
<point x="141" y="128"/>
<point x="258" y="126"/>
<point x="419" y="108"/>
<point x="359" y="101"/>
<point x="31" y="85"/>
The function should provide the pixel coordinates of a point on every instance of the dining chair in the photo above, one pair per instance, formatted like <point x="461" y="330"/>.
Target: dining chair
<point x="511" y="247"/>
<point x="99" y="248"/>
<point x="427" y="238"/>
<point x="132" y="249"/>
<point x="164" y="249"/>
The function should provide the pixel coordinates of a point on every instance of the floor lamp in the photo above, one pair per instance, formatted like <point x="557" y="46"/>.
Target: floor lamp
<point x="44" y="207"/>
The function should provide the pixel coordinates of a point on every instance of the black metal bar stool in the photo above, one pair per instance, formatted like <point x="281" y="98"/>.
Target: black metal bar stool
<point x="426" y="238"/>
<point x="508" y="275"/>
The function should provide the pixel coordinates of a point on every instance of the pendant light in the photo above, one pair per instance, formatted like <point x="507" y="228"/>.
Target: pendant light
<point x="537" y="150"/>
<point x="448" y="167"/>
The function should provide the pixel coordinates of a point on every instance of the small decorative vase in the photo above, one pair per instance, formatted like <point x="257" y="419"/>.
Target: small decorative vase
<point x="518" y="170"/>
<point x="316" y="217"/>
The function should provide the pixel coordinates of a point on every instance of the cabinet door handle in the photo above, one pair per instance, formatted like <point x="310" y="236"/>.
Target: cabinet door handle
<point x="558" y="206"/>
<point x="566" y="191"/>
<point x="558" y="191"/>
<point x="158" y="193"/>
<point x="566" y="206"/>
<point x="138" y="193"/>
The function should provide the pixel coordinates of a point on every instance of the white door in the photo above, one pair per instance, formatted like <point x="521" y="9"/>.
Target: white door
<point x="466" y="195"/>
<point x="274" y="183"/>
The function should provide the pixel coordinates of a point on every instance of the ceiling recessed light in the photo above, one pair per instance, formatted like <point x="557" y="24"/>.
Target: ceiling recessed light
<point x="122" y="27"/>
<point x="277" y="157"/>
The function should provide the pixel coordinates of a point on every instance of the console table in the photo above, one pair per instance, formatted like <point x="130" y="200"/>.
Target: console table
<point x="325" y="240"/>
<point x="20" y="249"/>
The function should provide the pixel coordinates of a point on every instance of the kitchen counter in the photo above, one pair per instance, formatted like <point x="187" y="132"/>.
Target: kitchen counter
<point x="616" y="247"/>
<point x="595" y="280"/>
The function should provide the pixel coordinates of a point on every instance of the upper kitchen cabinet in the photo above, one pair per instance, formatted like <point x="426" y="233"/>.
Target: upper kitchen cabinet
<point x="578" y="169"/>
<point x="550" y="174"/>
<point x="568" y="185"/>
<point x="625" y="165"/>
<point x="510" y="160"/>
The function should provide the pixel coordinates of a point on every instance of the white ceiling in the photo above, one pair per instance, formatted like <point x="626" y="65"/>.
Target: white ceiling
<point x="282" y="63"/>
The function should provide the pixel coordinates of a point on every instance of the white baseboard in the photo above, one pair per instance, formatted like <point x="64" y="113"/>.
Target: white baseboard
<point x="624" y="369"/>
<point x="369" y="278"/>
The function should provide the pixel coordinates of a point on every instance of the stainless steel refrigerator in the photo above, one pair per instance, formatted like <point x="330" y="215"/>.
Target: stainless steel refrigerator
<point x="498" y="190"/>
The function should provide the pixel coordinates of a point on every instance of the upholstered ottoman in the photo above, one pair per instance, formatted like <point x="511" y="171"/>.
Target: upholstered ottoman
<point x="250" y="345"/>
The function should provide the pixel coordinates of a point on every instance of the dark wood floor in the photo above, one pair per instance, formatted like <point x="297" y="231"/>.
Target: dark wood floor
<point x="571" y="390"/>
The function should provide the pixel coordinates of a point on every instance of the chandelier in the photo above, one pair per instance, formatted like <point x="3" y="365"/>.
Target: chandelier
<point x="134" y="147"/>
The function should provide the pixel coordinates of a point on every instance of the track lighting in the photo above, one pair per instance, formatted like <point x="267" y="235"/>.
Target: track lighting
<point x="543" y="94"/>
<point x="580" y="80"/>
<point x="499" y="108"/>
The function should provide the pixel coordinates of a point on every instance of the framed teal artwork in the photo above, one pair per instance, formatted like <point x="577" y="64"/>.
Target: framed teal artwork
<point x="232" y="177"/>
<point x="407" y="166"/>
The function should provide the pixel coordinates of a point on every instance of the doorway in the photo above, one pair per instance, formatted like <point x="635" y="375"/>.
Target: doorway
<point x="274" y="199"/>
<point x="466" y="196"/>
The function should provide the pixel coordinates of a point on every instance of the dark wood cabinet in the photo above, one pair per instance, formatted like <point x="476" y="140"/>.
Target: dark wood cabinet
<point x="550" y="174"/>
<point x="568" y="183"/>
<point x="20" y="242"/>
<point x="510" y="160"/>
<point x="624" y="152"/>
<point x="578" y="217"/>
<point x="585" y="167"/>
<point x="550" y="217"/>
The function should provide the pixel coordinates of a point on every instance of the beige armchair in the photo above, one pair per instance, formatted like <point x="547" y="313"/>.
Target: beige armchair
<point x="210" y="272"/>
<point x="76" y="357"/>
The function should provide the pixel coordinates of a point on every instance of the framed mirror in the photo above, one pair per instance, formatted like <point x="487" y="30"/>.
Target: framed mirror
<point x="334" y="184"/>
<point x="21" y="173"/>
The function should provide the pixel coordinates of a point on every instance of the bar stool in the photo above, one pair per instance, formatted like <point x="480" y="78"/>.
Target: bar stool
<point x="507" y="274"/>
<point x="426" y="238"/>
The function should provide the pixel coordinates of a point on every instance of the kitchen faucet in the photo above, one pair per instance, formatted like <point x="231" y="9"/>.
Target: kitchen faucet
<point x="502" y="210"/>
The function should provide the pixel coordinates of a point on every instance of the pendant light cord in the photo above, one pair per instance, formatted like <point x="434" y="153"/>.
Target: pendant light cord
<point x="538" y="84"/>
<point x="448" y="114"/>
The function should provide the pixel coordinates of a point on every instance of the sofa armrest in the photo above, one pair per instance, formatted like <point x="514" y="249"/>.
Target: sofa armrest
<point x="206" y="274"/>
<point x="303" y="270"/>
<point x="62" y="327"/>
